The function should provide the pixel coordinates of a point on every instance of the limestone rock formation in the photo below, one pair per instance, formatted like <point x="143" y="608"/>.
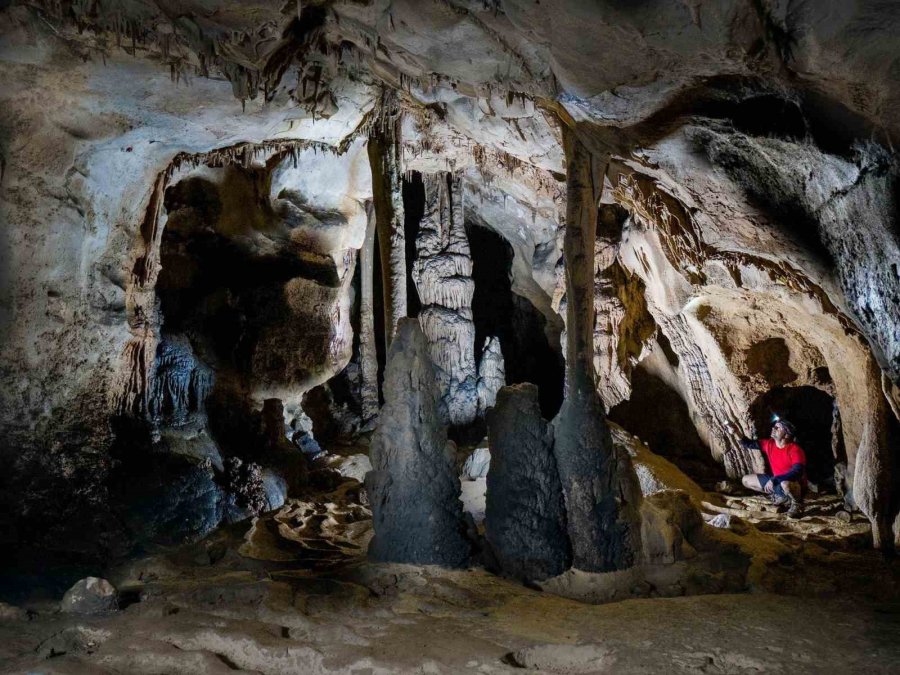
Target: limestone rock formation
<point x="491" y="374"/>
<point x="443" y="276"/>
<point x="668" y="521"/>
<point x="413" y="486"/>
<point x="601" y="489"/>
<point x="383" y="149"/>
<point x="477" y="464"/>
<point x="525" y="518"/>
<point x="91" y="595"/>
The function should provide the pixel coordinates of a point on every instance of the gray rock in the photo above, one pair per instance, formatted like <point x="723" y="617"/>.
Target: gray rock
<point x="91" y="595"/>
<point x="491" y="374"/>
<point x="413" y="488"/>
<point x="354" y="466"/>
<point x="525" y="522"/>
<point x="276" y="489"/>
<point x="601" y="490"/>
<point x="477" y="464"/>
<point x="173" y="500"/>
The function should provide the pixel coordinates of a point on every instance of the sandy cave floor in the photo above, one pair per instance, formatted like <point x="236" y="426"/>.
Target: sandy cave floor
<point x="293" y="594"/>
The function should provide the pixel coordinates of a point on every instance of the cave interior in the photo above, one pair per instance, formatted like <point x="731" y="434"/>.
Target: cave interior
<point x="396" y="336"/>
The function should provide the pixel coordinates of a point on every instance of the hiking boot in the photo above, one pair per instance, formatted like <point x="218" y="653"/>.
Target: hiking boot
<point x="779" y="502"/>
<point x="796" y="510"/>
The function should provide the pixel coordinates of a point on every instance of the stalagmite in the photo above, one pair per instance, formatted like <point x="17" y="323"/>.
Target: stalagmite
<point x="387" y="194"/>
<point x="491" y="374"/>
<point x="443" y="276"/>
<point x="600" y="487"/>
<point x="368" y="357"/>
<point x="525" y="523"/>
<point x="413" y="487"/>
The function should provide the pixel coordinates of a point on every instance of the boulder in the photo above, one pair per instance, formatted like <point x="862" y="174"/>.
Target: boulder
<point x="91" y="595"/>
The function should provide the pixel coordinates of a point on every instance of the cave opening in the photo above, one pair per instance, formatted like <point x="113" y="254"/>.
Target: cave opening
<point x="669" y="431"/>
<point x="521" y="328"/>
<point x="812" y="411"/>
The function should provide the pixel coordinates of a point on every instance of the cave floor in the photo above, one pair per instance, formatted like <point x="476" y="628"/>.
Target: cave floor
<point x="293" y="593"/>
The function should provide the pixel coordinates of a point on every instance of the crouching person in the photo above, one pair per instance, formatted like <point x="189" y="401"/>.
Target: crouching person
<point x="786" y="481"/>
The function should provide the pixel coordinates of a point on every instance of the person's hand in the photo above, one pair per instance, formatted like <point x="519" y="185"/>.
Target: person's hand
<point x="769" y="487"/>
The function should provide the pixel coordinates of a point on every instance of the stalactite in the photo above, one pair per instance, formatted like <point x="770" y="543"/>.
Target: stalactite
<point x="367" y="353"/>
<point x="601" y="490"/>
<point x="387" y="194"/>
<point x="443" y="276"/>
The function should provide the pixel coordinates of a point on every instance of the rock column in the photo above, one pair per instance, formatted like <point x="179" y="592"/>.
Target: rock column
<point x="601" y="490"/>
<point x="413" y="486"/>
<point x="387" y="195"/>
<point x="443" y="276"/>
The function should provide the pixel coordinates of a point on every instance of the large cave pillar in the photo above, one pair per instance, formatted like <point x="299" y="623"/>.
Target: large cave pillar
<point x="599" y="484"/>
<point x="443" y="276"/>
<point x="387" y="196"/>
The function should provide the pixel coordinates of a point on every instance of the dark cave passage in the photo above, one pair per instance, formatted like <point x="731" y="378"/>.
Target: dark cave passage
<point x="811" y="410"/>
<point x="413" y="211"/>
<point x="658" y="415"/>
<point x="498" y="311"/>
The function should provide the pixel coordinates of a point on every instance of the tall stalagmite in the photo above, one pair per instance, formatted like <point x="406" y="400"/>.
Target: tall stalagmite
<point x="443" y="276"/>
<point x="600" y="487"/>
<point x="387" y="195"/>
<point x="525" y="521"/>
<point x="414" y="487"/>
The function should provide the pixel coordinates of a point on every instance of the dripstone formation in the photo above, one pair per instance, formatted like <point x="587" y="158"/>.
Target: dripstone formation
<point x="601" y="490"/>
<point x="443" y="277"/>
<point x="525" y="523"/>
<point x="414" y="487"/>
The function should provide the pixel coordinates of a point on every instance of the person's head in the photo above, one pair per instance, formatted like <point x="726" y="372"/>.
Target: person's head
<point x="783" y="431"/>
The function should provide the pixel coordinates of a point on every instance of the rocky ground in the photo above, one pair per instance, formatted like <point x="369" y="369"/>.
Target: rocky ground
<point x="293" y="593"/>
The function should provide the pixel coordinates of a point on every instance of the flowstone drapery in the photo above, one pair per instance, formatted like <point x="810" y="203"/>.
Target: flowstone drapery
<point x="443" y="276"/>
